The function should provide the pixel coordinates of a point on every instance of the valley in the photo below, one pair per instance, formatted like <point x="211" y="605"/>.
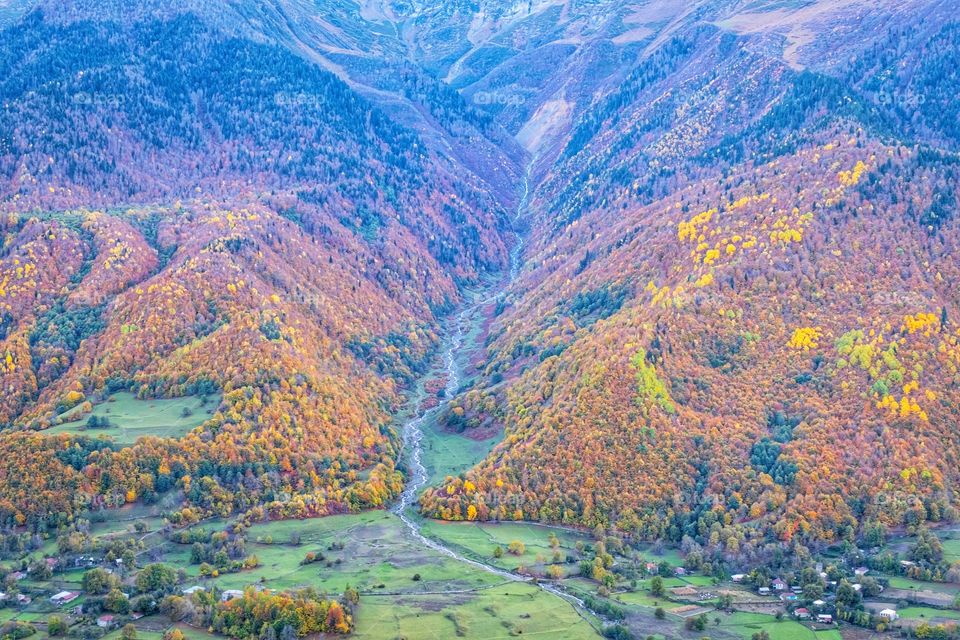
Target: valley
<point x="563" y="319"/>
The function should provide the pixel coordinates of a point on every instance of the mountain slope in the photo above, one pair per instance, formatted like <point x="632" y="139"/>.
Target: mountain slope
<point x="189" y="212"/>
<point x="737" y="321"/>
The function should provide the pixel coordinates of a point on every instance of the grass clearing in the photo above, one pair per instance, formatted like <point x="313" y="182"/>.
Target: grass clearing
<point x="479" y="539"/>
<point x="928" y="613"/>
<point x="899" y="582"/>
<point x="505" y="611"/>
<point x="131" y="418"/>
<point x="407" y="590"/>
<point x="746" y="624"/>
<point x="951" y="549"/>
<point x="447" y="454"/>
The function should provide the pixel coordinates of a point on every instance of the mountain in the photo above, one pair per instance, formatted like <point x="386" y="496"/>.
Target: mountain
<point x="735" y="321"/>
<point x="188" y="210"/>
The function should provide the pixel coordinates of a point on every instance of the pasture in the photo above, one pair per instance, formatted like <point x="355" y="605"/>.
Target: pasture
<point x="129" y="418"/>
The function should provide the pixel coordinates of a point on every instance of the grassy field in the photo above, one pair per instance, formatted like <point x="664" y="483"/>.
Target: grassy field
<point x="447" y="454"/>
<point x="747" y="624"/>
<point x="928" y="613"/>
<point x="951" y="549"/>
<point x="505" y="611"/>
<point x="131" y="418"/>
<point x="480" y="540"/>
<point x="899" y="582"/>
<point x="406" y="589"/>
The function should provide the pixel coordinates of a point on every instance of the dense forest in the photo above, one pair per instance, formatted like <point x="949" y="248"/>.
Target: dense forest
<point x="736" y="319"/>
<point x="195" y="214"/>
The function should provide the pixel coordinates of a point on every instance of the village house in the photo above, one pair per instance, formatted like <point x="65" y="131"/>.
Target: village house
<point x="230" y="594"/>
<point x="802" y="613"/>
<point x="824" y="618"/>
<point x="105" y="622"/>
<point x="861" y="571"/>
<point x="192" y="590"/>
<point x="737" y="577"/>
<point x="779" y="584"/>
<point x="64" y="597"/>
<point x="889" y="615"/>
<point x="764" y="591"/>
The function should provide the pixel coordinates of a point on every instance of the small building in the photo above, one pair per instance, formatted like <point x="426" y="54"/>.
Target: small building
<point x="192" y="590"/>
<point x="18" y="575"/>
<point x="825" y="618"/>
<point x="779" y="584"/>
<point x="889" y="615"/>
<point x="653" y="568"/>
<point x="818" y="603"/>
<point x="857" y="586"/>
<point x="861" y="571"/>
<point x="802" y="613"/>
<point x="737" y="577"/>
<point x="22" y="599"/>
<point x="230" y="594"/>
<point x="797" y="588"/>
<point x="105" y="622"/>
<point x="680" y="572"/>
<point x="764" y="591"/>
<point x="3" y="597"/>
<point x="64" y="597"/>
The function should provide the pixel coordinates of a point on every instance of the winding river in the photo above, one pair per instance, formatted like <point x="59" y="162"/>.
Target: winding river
<point x="412" y="433"/>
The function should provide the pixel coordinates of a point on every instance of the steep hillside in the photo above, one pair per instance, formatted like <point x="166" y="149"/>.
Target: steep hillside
<point x="737" y="320"/>
<point x="777" y="347"/>
<point x="191" y="212"/>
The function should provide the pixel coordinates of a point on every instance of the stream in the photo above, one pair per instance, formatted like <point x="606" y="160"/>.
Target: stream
<point x="412" y="434"/>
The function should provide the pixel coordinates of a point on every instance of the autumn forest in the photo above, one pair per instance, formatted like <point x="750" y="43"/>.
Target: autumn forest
<point x="679" y="277"/>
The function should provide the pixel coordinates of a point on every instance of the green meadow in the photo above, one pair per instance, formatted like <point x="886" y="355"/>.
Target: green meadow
<point x="130" y="418"/>
<point x="406" y="590"/>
